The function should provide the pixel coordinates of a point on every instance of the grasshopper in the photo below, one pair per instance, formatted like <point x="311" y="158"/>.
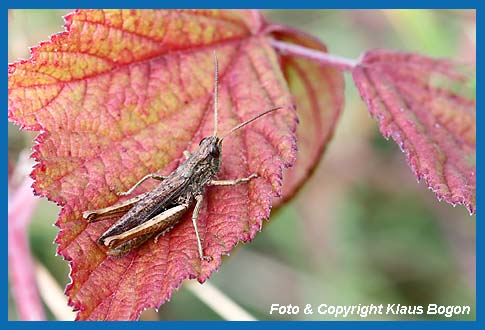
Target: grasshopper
<point x="156" y="212"/>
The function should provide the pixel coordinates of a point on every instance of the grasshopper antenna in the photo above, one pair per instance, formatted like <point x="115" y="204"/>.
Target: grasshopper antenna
<point x="248" y="121"/>
<point x="216" y="82"/>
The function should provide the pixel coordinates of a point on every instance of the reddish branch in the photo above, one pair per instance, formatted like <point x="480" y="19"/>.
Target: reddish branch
<point x="21" y="265"/>
<point x="314" y="55"/>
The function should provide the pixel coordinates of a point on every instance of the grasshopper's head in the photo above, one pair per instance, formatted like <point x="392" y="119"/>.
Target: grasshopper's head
<point x="210" y="149"/>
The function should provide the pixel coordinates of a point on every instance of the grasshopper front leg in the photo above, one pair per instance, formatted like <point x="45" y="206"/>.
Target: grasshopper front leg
<point x="195" y="216"/>
<point x="232" y="182"/>
<point x="198" y="204"/>
<point x="146" y="177"/>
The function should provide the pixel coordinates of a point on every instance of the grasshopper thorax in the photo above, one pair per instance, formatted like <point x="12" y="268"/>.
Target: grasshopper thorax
<point x="210" y="149"/>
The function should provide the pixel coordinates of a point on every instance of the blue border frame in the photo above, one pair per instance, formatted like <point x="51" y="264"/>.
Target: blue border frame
<point x="302" y="4"/>
<point x="261" y="4"/>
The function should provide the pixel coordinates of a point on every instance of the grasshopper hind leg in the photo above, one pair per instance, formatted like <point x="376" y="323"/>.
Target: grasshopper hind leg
<point x="120" y="243"/>
<point x="112" y="211"/>
<point x="128" y="246"/>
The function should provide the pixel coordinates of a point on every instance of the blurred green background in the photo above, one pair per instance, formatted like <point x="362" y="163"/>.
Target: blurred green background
<point x="362" y="230"/>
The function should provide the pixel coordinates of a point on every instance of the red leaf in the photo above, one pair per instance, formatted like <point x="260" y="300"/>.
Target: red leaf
<point x="319" y="93"/>
<point x="422" y="103"/>
<point x="123" y="93"/>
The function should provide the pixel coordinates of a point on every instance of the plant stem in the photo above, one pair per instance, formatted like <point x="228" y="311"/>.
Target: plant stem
<point x="22" y="270"/>
<point x="52" y="294"/>
<point x="341" y="63"/>
<point x="219" y="302"/>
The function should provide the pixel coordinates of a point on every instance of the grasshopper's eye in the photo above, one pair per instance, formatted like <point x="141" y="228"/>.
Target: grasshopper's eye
<point x="214" y="150"/>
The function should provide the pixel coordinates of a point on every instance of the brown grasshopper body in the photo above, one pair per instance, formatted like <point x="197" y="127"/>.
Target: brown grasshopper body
<point x="158" y="211"/>
<point x="179" y="189"/>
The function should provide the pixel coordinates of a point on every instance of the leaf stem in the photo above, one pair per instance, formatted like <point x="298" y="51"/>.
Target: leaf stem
<point x="341" y="63"/>
<point x="219" y="302"/>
